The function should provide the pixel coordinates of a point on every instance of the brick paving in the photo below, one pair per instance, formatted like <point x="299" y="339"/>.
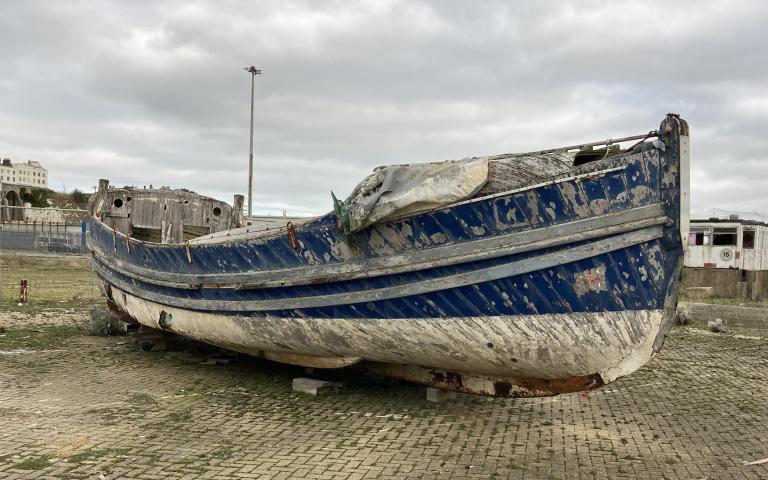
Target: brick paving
<point x="79" y="407"/>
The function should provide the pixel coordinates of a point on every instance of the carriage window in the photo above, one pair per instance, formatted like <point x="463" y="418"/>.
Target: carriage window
<point x="724" y="237"/>
<point x="748" y="241"/>
<point x="699" y="236"/>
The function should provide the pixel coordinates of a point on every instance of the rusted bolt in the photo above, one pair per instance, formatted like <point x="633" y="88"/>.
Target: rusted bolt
<point x="292" y="235"/>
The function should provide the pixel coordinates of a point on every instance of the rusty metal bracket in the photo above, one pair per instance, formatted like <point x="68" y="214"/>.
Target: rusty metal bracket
<point x="292" y="235"/>
<point x="186" y="248"/>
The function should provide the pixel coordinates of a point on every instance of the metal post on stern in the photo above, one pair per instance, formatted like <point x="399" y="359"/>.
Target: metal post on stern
<point x="253" y="71"/>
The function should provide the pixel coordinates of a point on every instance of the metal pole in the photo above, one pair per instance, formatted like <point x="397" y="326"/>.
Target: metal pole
<point x="253" y="71"/>
<point x="250" y="157"/>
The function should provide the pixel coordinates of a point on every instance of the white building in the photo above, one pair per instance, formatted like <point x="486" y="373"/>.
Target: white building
<point x="727" y="243"/>
<point x="29" y="174"/>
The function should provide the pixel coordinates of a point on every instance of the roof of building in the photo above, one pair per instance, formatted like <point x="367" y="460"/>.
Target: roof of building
<point x="740" y="221"/>
<point x="6" y="162"/>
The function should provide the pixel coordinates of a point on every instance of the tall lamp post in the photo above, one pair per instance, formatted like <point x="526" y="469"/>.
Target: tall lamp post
<point x="253" y="71"/>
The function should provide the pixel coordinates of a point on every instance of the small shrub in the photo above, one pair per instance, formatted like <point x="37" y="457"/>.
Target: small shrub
<point x="684" y="315"/>
<point x="104" y="323"/>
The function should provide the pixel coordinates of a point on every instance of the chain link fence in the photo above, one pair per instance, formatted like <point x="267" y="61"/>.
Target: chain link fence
<point x="49" y="230"/>
<point x="51" y="280"/>
<point x="45" y="249"/>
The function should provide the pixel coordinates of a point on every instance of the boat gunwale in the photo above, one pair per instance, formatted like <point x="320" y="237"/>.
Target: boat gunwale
<point x="457" y="280"/>
<point x="440" y="256"/>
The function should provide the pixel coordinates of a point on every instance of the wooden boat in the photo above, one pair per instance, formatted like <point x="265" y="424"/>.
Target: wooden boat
<point x="544" y="281"/>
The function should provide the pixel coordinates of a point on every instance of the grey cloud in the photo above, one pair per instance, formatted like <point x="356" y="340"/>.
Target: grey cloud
<point x="153" y="92"/>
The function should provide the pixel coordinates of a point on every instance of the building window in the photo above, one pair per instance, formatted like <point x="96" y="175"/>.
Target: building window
<point x="724" y="237"/>
<point x="699" y="236"/>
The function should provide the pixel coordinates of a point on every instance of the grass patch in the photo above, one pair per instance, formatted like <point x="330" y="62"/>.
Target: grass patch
<point x="40" y="337"/>
<point x="54" y="281"/>
<point x="141" y="399"/>
<point x="34" y="463"/>
<point x="179" y="417"/>
<point x="107" y="416"/>
<point x="222" y="453"/>
<point x="95" y="454"/>
<point x="739" y="302"/>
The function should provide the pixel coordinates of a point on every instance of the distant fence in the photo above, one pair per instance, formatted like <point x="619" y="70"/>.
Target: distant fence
<point x="31" y="279"/>
<point x="48" y="230"/>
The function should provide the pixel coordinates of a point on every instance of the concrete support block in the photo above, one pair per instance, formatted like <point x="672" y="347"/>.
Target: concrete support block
<point x="436" y="395"/>
<point x="313" y="386"/>
<point x="697" y="294"/>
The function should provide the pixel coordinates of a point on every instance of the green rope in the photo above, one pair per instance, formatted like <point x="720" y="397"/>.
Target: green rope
<point x="342" y="212"/>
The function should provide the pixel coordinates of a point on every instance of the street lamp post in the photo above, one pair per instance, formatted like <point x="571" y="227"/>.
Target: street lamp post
<point x="253" y="71"/>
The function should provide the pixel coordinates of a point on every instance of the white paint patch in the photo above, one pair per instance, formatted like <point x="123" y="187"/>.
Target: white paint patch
<point x="512" y="215"/>
<point x="438" y="238"/>
<point x="575" y="199"/>
<point x="379" y="244"/>
<point x="600" y="206"/>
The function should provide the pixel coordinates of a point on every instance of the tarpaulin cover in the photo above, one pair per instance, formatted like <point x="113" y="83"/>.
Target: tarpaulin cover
<point x="402" y="190"/>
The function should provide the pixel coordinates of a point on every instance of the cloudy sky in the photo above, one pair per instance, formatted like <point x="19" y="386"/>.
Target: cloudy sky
<point x="150" y="92"/>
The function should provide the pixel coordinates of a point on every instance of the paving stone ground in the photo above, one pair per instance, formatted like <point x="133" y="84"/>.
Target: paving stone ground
<point x="77" y="407"/>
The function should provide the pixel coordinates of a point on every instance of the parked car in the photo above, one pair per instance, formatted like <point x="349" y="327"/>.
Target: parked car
<point x="57" y="244"/>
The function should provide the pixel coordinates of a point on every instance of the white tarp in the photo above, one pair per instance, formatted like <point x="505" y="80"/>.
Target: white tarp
<point x="397" y="191"/>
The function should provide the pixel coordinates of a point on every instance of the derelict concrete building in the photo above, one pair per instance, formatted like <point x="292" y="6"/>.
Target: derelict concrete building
<point x="729" y="255"/>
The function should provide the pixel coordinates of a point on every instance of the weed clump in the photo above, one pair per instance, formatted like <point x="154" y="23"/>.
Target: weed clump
<point x="104" y="323"/>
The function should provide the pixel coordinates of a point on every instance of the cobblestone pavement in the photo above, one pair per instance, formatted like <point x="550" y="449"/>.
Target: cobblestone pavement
<point x="73" y="406"/>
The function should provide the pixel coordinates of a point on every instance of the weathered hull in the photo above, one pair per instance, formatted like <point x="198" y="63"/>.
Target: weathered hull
<point x="516" y="355"/>
<point x="559" y="286"/>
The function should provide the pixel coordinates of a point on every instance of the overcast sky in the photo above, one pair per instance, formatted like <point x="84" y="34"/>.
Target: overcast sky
<point x="150" y="92"/>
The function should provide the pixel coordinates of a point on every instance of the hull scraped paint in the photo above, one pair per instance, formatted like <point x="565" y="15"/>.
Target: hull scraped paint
<point x="551" y="272"/>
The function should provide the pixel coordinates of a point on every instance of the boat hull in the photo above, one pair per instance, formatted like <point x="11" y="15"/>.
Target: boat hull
<point x="533" y="355"/>
<point x="559" y="286"/>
